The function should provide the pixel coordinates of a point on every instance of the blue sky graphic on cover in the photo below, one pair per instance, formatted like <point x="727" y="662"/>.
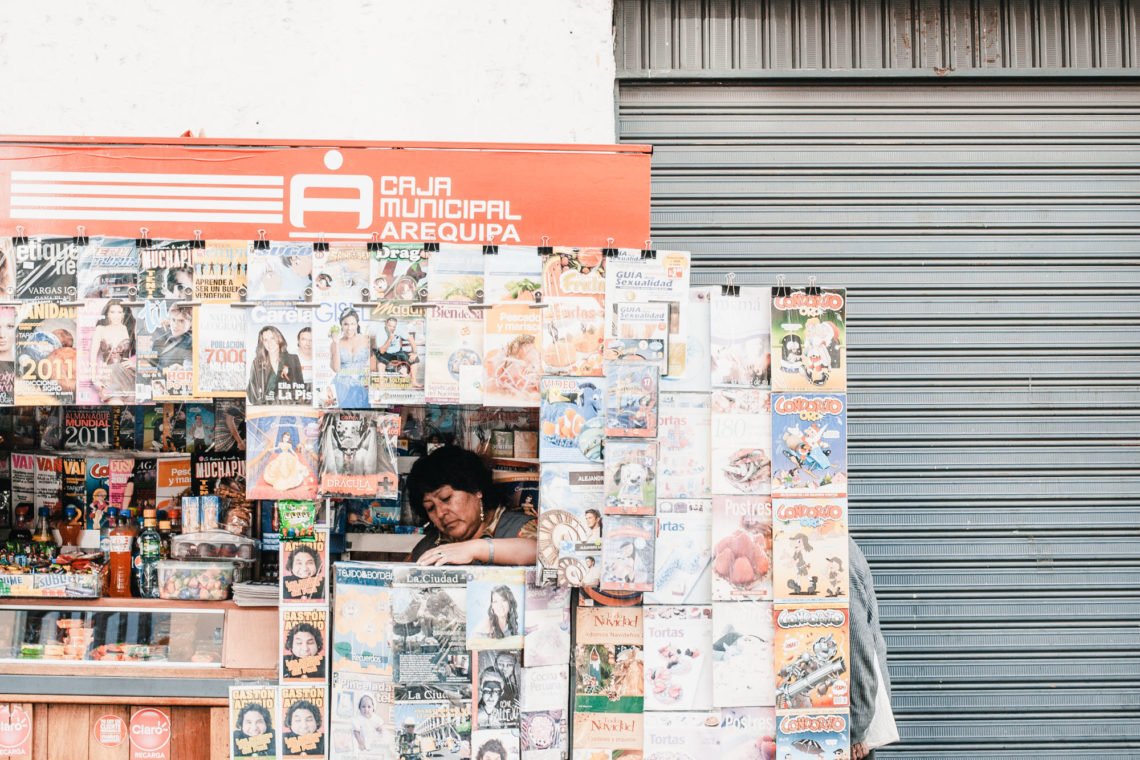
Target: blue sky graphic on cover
<point x="809" y="444"/>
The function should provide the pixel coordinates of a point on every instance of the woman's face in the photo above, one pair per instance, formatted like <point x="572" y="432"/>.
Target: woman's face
<point x="303" y="565"/>
<point x="303" y="722"/>
<point x="349" y="325"/>
<point x="269" y="341"/>
<point x="253" y="724"/>
<point x="500" y="605"/>
<point x="454" y="513"/>
<point x="304" y="644"/>
<point x="7" y="331"/>
<point x="115" y="314"/>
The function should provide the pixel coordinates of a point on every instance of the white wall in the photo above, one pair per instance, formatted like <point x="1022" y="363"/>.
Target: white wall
<point x="456" y="70"/>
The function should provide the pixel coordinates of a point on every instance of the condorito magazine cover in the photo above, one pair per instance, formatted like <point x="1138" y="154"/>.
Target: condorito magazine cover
<point x="810" y="538"/>
<point x="811" y="737"/>
<point x="812" y="660"/>
<point x="809" y="341"/>
<point x="809" y="444"/>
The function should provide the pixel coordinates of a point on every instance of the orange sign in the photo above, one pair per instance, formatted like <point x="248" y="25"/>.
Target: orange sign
<point x="15" y="732"/>
<point x="466" y="193"/>
<point x="110" y="731"/>
<point x="150" y="734"/>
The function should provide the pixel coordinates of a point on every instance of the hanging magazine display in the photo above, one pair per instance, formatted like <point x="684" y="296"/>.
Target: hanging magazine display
<point x="810" y="536"/>
<point x="401" y="352"/>
<point x="253" y="720"/>
<point x="45" y="355"/>
<point x="512" y="329"/>
<point x="454" y="370"/>
<point x="166" y="270"/>
<point x="219" y="350"/>
<point x="46" y="268"/>
<point x="399" y="271"/>
<point x="340" y="273"/>
<point x="647" y="296"/>
<point x="220" y="270"/>
<point x="570" y="523"/>
<point x="280" y="272"/>
<point x="740" y="341"/>
<point x="7" y="355"/>
<point x="106" y="356"/>
<point x="281" y="452"/>
<point x="108" y="268"/>
<point x="165" y="350"/>
<point x="278" y="343"/>
<point x="809" y="446"/>
<point x="358" y="454"/>
<point x="573" y="324"/>
<point x="809" y="341"/>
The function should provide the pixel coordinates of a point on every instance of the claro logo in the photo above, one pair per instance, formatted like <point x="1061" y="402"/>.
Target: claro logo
<point x="150" y="734"/>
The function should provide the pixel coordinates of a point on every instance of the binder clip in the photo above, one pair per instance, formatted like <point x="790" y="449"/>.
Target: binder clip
<point x="81" y="238"/>
<point x="545" y="249"/>
<point x="490" y="250"/>
<point x="321" y="244"/>
<point x="812" y="289"/>
<point x="261" y="244"/>
<point x="431" y="247"/>
<point x="728" y="288"/>
<point x="374" y="244"/>
<point x="20" y="238"/>
<point x="143" y="241"/>
<point x="198" y="242"/>
<point x="647" y="252"/>
<point x="242" y="292"/>
<point x="609" y="251"/>
<point x="781" y="290"/>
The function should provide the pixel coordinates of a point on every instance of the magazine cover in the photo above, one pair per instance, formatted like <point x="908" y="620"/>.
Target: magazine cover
<point x="340" y="273"/>
<point x="456" y="273"/>
<point x="342" y="362"/>
<point x="360" y="722"/>
<point x="7" y="269"/>
<point x="166" y="270"/>
<point x="220" y="269"/>
<point x="627" y="553"/>
<point x="640" y="334"/>
<point x="303" y="713"/>
<point x="361" y="619"/>
<point x="49" y="485"/>
<point x="546" y="616"/>
<point x="429" y="626"/>
<point x="631" y="400"/>
<point x="280" y="272"/>
<point x="400" y="338"/>
<point x="809" y="341"/>
<point x="496" y="686"/>
<point x="304" y="633"/>
<point x="358" y="454"/>
<point x="160" y="429"/>
<point x="165" y="347"/>
<point x="398" y="272"/>
<point x="573" y="325"/>
<point x="631" y="477"/>
<point x="7" y="355"/>
<point x="229" y="426"/>
<point x="683" y="554"/>
<point x="608" y="661"/>
<point x="661" y="279"/>
<point x="96" y="493"/>
<point x="432" y="720"/>
<point x="681" y="735"/>
<point x="281" y="452"/>
<point x="172" y="481"/>
<point x="809" y="446"/>
<point x="45" y="355"/>
<point x="46" y="269"/>
<point x="683" y="430"/>
<point x="304" y="569"/>
<point x="810" y="539"/>
<point x="91" y="428"/>
<point x="512" y="330"/>
<point x="544" y="735"/>
<point x="570" y="523"/>
<point x="219" y="350"/>
<point x="276" y="336"/>
<point x="740" y="340"/>
<point x="608" y="736"/>
<point x="812" y="670"/>
<point x="23" y="469"/>
<point x="199" y="427"/>
<point x="495" y="742"/>
<point x="742" y="547"/>
<point x="121" y="473"/>
<point x="454" y="366"/>
<point x="742" y="654"/>
<point x="253" y="720"/>
<point x="810" y="737"/>
<point x="696" y="340"/>
<point x="749" y="733"/>
<point x="106" y="353"/>
<point x="108" y="268"/>
<point x="73" y="495"/>
<point x="545" y="687"/>
<point x="678" y="661"/>
<point x="571" y="427"/>
<point x="741" y="453"/>
<point x="496" y="600"/>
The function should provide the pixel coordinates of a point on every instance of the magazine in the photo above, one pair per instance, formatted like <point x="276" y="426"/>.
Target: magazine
<point x="280" y="272"/>
<point x="49" y="485"/>
<point x="683" y="430"/>
<point x="199" y="427"/>
<point x="343" y="360"/>
<point x="360" y="723"/>
<point x="304" y="636"/>
<point x="681" y="735"/>
<point x="303" y="721"/>
<point x="45" y="355"/>
<point x="608" y="736"/>
<point x="456" y="273"/>
<point x="304" y="569"/>
<point x="7" y="355"/>
<point x="810" y="539"/>
<point x="429" y="626"/>
<point x="91" y="428"/>
<point x="253" y="721"/>
<point x="400" y="337"/>
<point x="812" y="671"/>
<point x="749" y="733"/>
<point x="512" y="330"/>
<point x="627" y="553"/>
<point x="7" y="269"/>
<point x="573" y="324"/>
<point x="432" y="719"/>
<point x="229" y="426"/>
<point x="809" y="446"/>
<point x="340" y="273"/>
<point x="546" y="624"/>
<point x="809" y="341"/>
<point x="219" y="350"/>
<point x="546" y="687"/>
<point x="166" y="270"/>
<point x="742" y="547"/>
<point x="631" y="400"/>
<point x="398" y="272"/>
<point x="741" y="449"/>
<point x="570" y="523"/>
<point x="678" y="658"/>
<point x="496" y="602"/>
<point x="106" y="360"/>
<point x="571" y="427"/>
<point x="660" y="280"/>
<point x="640" y="334"/>
<point x="739" y="339"/>
<point x="23" y="472"/>
<point x="490" y="743"/>
<point x="358" y="454"/>
<point x="173" y="480"/>
<point x="220" y="270"/>
<point x="454" y="366"/>
<point x="810" y="737"/>
<point x="165" y="348"/>
<point x="496" y="687"/>
<point x="48" y="422"/>
<point x="46" y="269"/>
<point x="683" y="554"/>
<point x="281" y="452"/>
<point x="631" y="477"/>
<point x="608" y="661"/>
<point x="544" y="735"/>
<point x="361" y="618"/>
<point x="742" y="654"/>
<point x="696" y="376"/>
<point x="278" y="344"/>
<point x="73" y="495"/>
<point x="108" y="268"/>
<point x="121" y="473"/>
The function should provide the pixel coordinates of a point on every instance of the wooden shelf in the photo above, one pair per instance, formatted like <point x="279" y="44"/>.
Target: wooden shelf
<point x="82" y="669"/>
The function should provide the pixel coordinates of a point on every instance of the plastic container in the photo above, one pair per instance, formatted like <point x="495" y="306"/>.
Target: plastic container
<point x="206" y="580"/>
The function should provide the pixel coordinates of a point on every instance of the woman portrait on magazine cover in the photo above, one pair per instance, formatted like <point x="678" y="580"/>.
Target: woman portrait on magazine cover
<point x="353" y="362"/>
<point x="112" y="359"/>
<point x="273" y="365"/>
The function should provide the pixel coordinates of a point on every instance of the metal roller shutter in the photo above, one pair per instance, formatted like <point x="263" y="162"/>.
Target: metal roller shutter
<point x="989" y="235"/>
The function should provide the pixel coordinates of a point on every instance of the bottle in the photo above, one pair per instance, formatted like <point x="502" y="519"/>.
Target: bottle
<point x="164" y="533"/>
<point x="43" y="543"/>
<point x="20" y="539"/>
<point x="70" y="528"/>
<point x="149" y="544"/>
<point x="110" y="518"/>
<point x="120" y="538"/>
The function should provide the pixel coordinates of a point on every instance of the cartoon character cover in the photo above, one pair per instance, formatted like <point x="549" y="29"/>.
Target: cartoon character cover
<point x="571" y="422"/>
<point x="361" y="618"/>
<point x="809" y="341"/>
<point x="813" y="737"/>
<point x="253" y="717"/>
<point x="358" y="454"/>
<point x="631" y="477"/>
<point x="280" y="272"/>
<point x="627" y="553"/>
<point x="812" y="670"/>
<point x="631" y="400"/>
<point x="809" y="446"/>
<point x="811" y="549"/>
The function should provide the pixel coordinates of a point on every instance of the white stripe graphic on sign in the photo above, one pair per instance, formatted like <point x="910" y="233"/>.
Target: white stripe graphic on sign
<point x="142" y="216"/>
<point x="342" y="235"/>
<point x="32" y="188"/>
<point x="180" y="179"/>
<point x="50" y="201"/>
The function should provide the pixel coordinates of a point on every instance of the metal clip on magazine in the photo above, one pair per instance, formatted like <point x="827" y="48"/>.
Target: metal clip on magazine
<point x="728" y="288"/>
<point x="812" y="289"/>
<point x="21" y="237"/>
<point x="609" y="251"/>
<point x="781" y="290"/>
<point x="143" y="240"/>
<point x="81" y="238"/>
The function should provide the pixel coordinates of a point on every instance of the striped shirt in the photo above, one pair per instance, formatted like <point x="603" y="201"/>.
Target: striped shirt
<point x="866" y="643"/>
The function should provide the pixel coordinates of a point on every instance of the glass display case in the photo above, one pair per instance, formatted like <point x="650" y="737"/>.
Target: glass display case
<point x="114" y="635"/>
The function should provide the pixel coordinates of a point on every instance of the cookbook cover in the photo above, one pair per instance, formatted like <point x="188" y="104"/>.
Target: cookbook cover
<point x="742" y="547"/>
<point x="512" y="330"/>
<point x="683" y="554"/>
<point x="678" y="658"/>
<point x="741" y="451"/>
<point x="740" y="339"/>
<point x="742" y="654"/>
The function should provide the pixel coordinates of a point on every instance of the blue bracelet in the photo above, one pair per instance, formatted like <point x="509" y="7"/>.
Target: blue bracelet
<point x="490" y="550"/>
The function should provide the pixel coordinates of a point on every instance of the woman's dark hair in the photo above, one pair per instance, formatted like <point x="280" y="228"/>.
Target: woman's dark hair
<point x="305" y="628"/>
<point x="128" y="320"/>
<point x="512" y="613"/>
<point x="302" y="704"/>
<point x="258" y="708"/>
<point x="493" y="745"/>
<point x="261" y="356"/>
<point x="453" y="466"/>
<point x="304" y="550"/>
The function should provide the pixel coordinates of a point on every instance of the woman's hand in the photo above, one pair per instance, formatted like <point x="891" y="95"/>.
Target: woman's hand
<point x="458" y="553"/>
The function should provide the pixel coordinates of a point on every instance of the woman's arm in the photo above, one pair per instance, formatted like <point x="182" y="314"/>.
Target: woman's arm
<point x="508" y="551"/>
